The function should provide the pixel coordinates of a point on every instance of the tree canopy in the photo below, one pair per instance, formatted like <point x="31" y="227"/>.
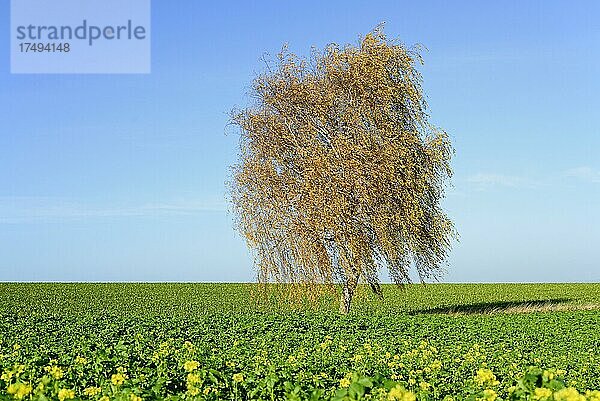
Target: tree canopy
<point x="340" y="173"/>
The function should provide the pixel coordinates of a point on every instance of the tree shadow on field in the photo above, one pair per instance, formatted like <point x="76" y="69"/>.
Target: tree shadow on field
<point x="537" y="305"/>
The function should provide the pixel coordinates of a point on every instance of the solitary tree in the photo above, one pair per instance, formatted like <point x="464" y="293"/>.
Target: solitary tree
<point x="340" y="173"/>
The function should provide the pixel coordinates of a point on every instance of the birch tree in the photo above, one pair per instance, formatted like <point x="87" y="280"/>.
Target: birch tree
<point x="340" y="173"/>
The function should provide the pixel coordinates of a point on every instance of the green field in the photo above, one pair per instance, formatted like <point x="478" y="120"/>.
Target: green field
<point x="212" y="341"/>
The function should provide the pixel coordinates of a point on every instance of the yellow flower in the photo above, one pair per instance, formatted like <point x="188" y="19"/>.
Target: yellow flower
<point x="91" y="391"/>
<point x="65" y="394"/>
<point x="193" y="391"/>
<point x="7" y="375"/>
<point x="400" y="394"/>
<point x="485" y="376"/>
<point x="327" y="342"/>
<point x="118" y="378"/>
<point x="345" y="382"/>
<point x="424" y="386"/>
<point x="568" y="394"/>
<point x="540" y="393"/>
<point x="80" y="360"/>
<point x="593" y="395"/>
<point x="193" y="378"/>
<point x="134" y="397"/>
<point x="489" y="395"/>
<point x="104" y="398"/>
<point x="190" y="366"/>
<point x="206" y="391"/>
<point x="19" y="390"/>
<point x="55" y="371"/>
<point x="238" y="377"/>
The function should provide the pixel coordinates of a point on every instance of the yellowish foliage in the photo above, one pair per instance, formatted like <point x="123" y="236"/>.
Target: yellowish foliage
<point x="340" y="173"/>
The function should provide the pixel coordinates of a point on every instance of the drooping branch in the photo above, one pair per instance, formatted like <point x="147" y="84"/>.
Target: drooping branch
<point x="340" y="173"/>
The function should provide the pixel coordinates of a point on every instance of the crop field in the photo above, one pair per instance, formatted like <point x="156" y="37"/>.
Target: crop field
<point x="214" y="342"/>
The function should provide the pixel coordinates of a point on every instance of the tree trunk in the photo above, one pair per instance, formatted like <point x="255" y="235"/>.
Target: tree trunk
<point x="376" y="288"/>
<point x="346" y="296"/>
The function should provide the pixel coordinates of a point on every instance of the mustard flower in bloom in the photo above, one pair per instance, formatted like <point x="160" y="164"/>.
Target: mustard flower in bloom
<point x="568" y="394"/>
<point x="542" y="393"/>
<point x="118" y="378"/>
<point x="134" y="397"/>
<point x="193" y="378"/>
<point x="486" y="377"/>
<point x="7" y="375"/>
<point x="65" y="394"/>
<point x="345" y="382"/>
<point x="55" y="371"/>
<point x="190" y="366"/>
<point x="193" y="391"/>
<point x="104" y="398"/>
<point x="92" y="391"/>
<point x="19" y="390"/>
<point x="489" y="395"/>
<point x="80" y="360"/>
<point x="593" y="395"/>
<point x="238" y="377"/>
<point x="400" y="394"/>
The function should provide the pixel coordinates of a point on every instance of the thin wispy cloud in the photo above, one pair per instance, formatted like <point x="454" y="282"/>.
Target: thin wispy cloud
<point x="584" y="173"/>
<point x="482" y="181"/>
<point x="485" y="181"/>
<point x="18" y="209"/>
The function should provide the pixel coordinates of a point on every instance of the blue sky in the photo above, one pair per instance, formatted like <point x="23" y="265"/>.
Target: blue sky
<point x="121" y="177"/>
